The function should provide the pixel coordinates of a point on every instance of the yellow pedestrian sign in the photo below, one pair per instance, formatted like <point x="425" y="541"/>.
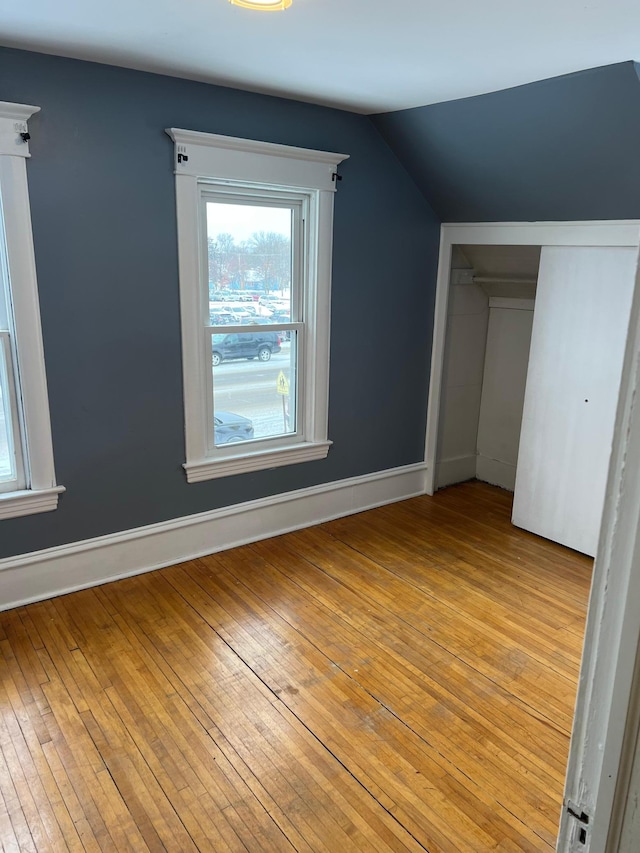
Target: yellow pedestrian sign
<point x="282" y="385"/>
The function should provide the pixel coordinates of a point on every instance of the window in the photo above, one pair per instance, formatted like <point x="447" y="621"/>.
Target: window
<point x="254" y="237"/>
<point x="27" y="478"/>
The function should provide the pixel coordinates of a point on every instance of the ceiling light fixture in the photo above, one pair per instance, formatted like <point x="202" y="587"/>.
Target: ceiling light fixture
<point x="263" y="5"/>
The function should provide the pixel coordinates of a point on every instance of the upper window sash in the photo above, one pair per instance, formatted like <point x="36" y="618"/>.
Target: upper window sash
<point x="40" y="492"/>
<point x="298" y="202"/>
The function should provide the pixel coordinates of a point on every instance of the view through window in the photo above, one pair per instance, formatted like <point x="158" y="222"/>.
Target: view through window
<point x="252" y="261"/>
<point x="7" y="455"/>
<point x="10" y="467"/>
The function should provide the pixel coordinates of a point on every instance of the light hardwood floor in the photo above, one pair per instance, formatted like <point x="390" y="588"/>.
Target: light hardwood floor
<point x="402" y="679"/>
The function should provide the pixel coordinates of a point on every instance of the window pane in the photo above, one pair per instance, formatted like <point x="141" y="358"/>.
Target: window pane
<point x="7" y="453"/>
<point x="8" y="473"/>
<point x="254" y="385"/>
<point x="250" y="266"/>
<point x="4" y="281"/>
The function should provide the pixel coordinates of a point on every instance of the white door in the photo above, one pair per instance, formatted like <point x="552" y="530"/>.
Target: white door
<point x="581" y="317"/>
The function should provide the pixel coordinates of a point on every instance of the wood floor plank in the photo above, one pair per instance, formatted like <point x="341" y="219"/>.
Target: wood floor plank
<point x="259" y="721"/>
<point x="482" y="646"/>
<point x="349" y="719"/>
<point x="28" y="735"/>
<point x="17" y="828"/>
<point x="400" y="548"/>
<point x="503" y="568"/>
<point x="398" y="680"/>
<point x="407" y="671"/>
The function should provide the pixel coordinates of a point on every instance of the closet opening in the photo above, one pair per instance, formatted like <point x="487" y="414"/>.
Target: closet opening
<point x="529" y="343"/>
<point x="492" y="293"/>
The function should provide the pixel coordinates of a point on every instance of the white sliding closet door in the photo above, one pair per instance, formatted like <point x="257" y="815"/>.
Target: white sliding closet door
<point x="582" y="310"/>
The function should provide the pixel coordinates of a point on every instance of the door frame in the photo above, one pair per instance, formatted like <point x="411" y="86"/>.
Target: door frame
<point x="607" y="715"/>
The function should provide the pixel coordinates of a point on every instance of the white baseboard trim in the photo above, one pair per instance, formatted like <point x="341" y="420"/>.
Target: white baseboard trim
<point x="496" y="472"/>
<point x="455" y="470"/>
<point x="78" y="565"/>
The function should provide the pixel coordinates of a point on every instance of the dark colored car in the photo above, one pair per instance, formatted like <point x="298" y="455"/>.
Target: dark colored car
<point x="228" y="427"/>
<point x="249" y="345"/>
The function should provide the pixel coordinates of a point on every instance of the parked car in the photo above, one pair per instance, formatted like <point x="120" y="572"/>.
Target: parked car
<point x="221" y="318"/>
<point x="240" y="315"/>
<point x="248" y="345"/>
<point x="229" y="427"/>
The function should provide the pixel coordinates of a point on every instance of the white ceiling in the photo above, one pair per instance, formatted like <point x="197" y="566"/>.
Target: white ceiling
<point x="364" y="55"/>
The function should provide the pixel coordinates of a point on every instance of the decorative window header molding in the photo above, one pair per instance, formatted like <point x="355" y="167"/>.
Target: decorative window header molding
<point x="13" y="128"/>
<point x="203" y="154"/>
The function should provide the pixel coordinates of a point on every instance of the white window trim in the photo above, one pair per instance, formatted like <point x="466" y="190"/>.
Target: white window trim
<point x="202" y="156"/>
<point x="41" y="494"/>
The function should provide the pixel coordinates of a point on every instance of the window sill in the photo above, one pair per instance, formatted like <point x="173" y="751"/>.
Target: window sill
<point x="29" y="501"/>
<point x="210" y="469"/>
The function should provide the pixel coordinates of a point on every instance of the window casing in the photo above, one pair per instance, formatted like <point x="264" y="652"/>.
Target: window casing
<point x="264" y="374"/>
<point x="27" y="476"/>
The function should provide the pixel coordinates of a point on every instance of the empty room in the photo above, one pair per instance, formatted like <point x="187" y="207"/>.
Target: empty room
<point x="319" y="441"/>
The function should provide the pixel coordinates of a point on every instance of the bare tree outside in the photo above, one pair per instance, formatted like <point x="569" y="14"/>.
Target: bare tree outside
<point x="223" y="260"/>
<point x="271" y="256"/>
<point x="249" y="247"/>
<point x="262" y="262"/>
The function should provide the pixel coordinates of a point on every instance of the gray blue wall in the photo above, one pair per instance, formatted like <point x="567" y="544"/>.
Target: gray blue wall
<point x="560" y="149"/>
<point x="103" y="207"/>
<point x="102" y="194"/>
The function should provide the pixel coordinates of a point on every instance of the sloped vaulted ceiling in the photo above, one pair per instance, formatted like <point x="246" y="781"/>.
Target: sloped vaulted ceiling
<point x="561" y="149"/>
